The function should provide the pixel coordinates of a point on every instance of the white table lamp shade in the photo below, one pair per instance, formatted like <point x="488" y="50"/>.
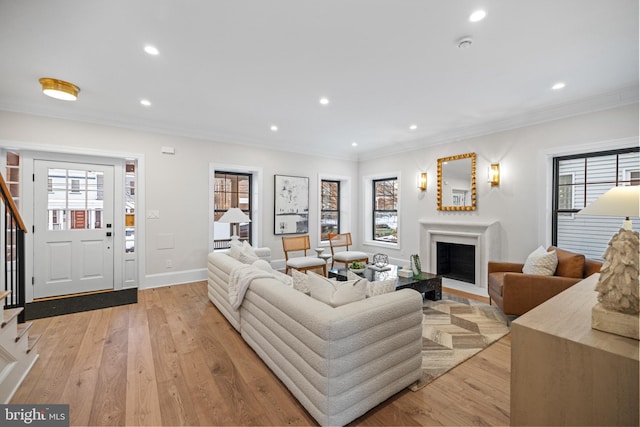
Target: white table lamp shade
<point x="234" y="215"/>
<point x="621" y="201"/>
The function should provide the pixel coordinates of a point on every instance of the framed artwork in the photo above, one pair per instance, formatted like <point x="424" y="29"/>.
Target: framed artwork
<point x="291" y="205"/>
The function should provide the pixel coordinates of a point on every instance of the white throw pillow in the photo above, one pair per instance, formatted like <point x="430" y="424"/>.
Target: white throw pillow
<point x="287" y="280"/>
<point x="300" y="281"/>
<point x="336" y="293"/>
<point x="243" y="252"/>
<point x="352" y="276"/>
<point x="247" y="259"/>
<point x="381" y="287"/>
<point x="281" y="277"/>
<point x="541" y="262"/>
<point x="248" y="249"/>
<point x="376" y="287"/>
<point x="235" y="249"/>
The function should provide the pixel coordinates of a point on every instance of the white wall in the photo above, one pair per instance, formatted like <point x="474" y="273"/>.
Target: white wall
<point x="178" y="185"/>
<point x="521" y="202"/>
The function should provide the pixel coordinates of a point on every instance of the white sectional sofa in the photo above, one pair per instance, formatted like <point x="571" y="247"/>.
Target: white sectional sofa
<point x="338" y="362"/>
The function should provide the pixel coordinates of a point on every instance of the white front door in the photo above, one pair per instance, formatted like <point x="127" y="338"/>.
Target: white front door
<point x="73" y="228"/>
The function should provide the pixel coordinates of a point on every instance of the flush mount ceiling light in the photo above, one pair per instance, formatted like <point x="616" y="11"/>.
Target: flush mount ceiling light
<point x="274" y="128"/>
<point x="558" y="86"/>
<point x="145" y="102"/>
<point x="354" y="144"/>
<point x="413" y="127"/>
<point x="478" y="15"/>
<point x="324" y="100"/>
<point x="59" y="89"/>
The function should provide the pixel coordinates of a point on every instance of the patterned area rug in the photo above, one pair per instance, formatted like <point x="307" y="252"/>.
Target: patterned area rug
<point x="453" y="330"/>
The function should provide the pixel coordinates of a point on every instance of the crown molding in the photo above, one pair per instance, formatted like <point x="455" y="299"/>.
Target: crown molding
<point x="221" y="138"/>
<point x="621" y="97"/>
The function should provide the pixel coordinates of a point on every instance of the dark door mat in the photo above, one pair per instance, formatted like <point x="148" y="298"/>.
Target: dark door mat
<point x="78" y="303"/>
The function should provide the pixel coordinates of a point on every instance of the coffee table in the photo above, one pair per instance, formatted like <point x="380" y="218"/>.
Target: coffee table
<point x="430" y="284"/>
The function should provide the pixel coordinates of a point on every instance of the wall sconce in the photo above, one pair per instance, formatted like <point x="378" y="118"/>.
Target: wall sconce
<point x="494" y="174"/>
<point x="422" y="181"/>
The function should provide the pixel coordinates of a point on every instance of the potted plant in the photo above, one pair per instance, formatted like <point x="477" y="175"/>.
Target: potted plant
<point x="357" y="267"/>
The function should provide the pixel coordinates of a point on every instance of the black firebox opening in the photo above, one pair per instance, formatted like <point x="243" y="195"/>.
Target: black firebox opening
<point x="457" y="261"/>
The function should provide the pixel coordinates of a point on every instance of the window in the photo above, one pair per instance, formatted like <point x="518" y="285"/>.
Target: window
<point x="130" y="207"/>
<point x="75" y="185"/>
<point x="385" y="210"/>
<point x="565" y="193"/>
<point x="74" y="202"/>
<point x="231" y="190"/>
<point x="579" y="180"/>
<point x="330" y="209"/>
<point x="12" y="179"/>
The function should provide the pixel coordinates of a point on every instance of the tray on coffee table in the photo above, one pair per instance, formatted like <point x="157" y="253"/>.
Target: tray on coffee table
<point x="429" y="284"/>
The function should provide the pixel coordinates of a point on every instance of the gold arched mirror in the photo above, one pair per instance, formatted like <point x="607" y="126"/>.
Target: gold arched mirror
<point x="457" y="183"/>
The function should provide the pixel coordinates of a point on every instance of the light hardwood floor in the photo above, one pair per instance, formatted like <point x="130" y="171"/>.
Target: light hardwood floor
<point x="173" y="359"/>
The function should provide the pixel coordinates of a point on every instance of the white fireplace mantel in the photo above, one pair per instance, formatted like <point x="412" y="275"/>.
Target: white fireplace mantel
<point x="485" y="236"/>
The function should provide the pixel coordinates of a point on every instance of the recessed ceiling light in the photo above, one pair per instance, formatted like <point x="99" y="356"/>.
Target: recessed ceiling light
<point x="274" y="128"/>
<point x="354" y="144"/>
<point x="413" y="127"/>
<point x="145" y="102"/>
<point x="478" y="15"/>
<point x="324" y="101"/>
<point x="558" y="86"/>
<point x="151" y="50"/>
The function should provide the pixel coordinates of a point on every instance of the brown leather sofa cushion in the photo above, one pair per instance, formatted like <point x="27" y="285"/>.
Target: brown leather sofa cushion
<point x="569" y="264"/>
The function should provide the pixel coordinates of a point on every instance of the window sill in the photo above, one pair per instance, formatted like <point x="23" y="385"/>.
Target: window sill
<point x="381" y="244"/>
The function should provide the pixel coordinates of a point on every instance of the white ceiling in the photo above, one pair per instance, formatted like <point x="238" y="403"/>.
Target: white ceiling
<point x="228" y="70"/>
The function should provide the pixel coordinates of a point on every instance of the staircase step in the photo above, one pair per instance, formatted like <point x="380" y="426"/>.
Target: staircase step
<point x="10" y="314"/>
<point x="22" y="329"/>
<point x="4" y="294"/>
<point x="33" y="340"/>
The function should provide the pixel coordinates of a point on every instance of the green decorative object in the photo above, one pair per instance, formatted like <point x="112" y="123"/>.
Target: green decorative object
<point x="416" y="268"/>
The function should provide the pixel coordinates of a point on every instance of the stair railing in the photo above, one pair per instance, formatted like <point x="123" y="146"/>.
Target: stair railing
<point x="14" y="251"/>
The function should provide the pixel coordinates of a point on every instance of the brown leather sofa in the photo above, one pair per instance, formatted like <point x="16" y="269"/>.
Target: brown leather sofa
<point x="516" y="293"/>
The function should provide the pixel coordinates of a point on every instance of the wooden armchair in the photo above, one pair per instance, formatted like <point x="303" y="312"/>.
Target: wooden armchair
<point x="346" y="257"/>
<point x="301" y="263"/>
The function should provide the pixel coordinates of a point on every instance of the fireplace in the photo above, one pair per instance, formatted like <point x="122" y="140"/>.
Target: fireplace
<point x="482" y="237"/>
<point x="456" y="261"/>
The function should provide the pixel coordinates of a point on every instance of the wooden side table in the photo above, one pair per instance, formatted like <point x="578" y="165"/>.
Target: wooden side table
<point x="563" y="372"/>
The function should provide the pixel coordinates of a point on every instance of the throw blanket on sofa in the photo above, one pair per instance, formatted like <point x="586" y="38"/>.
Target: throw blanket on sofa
<point x="239" y="281"/>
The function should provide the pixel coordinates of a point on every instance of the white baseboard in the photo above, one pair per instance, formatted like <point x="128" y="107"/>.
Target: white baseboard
<point x="174" y="278"/>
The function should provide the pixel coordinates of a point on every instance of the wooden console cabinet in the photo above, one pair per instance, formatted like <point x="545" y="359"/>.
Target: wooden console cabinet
<point x="563" y="372"/>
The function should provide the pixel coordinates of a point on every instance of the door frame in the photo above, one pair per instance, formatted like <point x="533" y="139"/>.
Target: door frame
<point x="74" y="241"/>
<point x="30" y="152"/>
